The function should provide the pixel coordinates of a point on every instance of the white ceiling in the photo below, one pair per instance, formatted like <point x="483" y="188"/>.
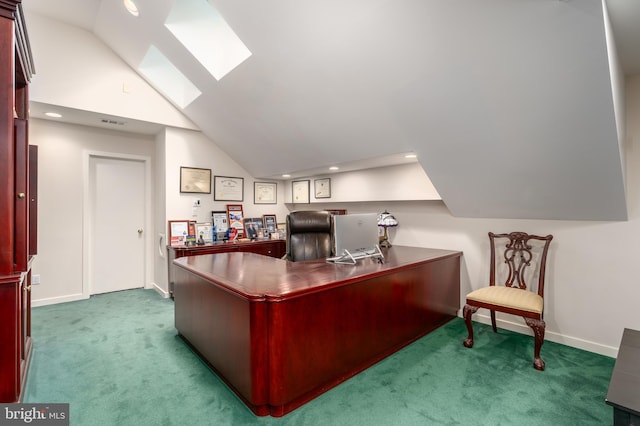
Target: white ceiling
<point x="465" y="84"/>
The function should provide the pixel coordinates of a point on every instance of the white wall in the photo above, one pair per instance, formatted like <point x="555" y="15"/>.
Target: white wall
<point x="60" y="200"/>
<point x="191" y="149"/>
<point x="592" y="288"/>
<point x="76" y="70"/>
<point x="400" y="182"/>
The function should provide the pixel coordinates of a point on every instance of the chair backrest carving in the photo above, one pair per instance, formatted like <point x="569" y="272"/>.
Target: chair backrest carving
<point x="522" y="258"/>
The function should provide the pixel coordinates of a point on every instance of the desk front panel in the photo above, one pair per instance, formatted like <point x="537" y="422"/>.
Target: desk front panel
<point x="324" y="338"/>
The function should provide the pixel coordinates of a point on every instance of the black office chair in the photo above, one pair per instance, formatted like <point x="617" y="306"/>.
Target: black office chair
<point x="309" y="235"/>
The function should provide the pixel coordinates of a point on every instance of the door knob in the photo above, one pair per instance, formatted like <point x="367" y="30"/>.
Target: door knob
<point x="21" y="195"/>
<point x="140" y="231"/>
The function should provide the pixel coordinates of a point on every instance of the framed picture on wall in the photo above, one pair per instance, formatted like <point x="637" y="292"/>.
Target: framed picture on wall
<point x="264" y="192"/>
<point x="300" y="191"/>
<point x="195" y="181"/>
<point x="322" y="188"/>
<point x="227" y="188"/>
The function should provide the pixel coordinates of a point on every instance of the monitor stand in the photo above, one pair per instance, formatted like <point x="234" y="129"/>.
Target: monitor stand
<point x="352" y="259"/>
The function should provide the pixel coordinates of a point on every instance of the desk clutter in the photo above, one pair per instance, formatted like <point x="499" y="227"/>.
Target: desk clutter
<point x="229" y="225"/>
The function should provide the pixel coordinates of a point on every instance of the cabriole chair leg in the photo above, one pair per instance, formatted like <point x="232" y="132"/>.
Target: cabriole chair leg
<point x="538" y="327"/>
<point x="467" y="311"/>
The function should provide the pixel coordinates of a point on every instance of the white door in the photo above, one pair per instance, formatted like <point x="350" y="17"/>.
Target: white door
<point x="117" y="245"/>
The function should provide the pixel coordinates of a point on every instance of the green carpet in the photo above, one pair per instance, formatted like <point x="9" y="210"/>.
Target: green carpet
<point x="117" y="360"/>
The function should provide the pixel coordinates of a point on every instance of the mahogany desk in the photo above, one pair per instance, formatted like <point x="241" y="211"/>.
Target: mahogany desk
<point x="281" y="333"/>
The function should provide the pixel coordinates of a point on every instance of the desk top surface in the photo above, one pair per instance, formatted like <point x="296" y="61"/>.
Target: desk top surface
<point x="254" y="276"/>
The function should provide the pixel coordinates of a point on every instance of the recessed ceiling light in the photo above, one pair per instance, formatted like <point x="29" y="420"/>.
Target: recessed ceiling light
<point x="53" y="114"/>
<point x="334" y="168"/>
<point x="131" y="7"/>
<point x="286" y="175"/>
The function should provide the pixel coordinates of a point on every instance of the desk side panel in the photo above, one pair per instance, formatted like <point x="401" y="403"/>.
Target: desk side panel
<point x="227" y="332"/>
<point x="324" y="338"/>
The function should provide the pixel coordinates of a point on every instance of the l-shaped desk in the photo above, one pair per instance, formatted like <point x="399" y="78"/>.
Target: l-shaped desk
<point x="281" y="333"/>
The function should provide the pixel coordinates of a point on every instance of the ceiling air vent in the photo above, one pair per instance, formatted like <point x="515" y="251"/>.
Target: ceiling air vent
<point x="114" y="122"/>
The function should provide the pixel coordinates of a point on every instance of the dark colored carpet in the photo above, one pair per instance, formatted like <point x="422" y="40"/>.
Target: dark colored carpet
<point x="117" y="360"/>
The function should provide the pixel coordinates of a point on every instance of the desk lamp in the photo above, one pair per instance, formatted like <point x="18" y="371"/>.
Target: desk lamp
<point x="386" y="220"/>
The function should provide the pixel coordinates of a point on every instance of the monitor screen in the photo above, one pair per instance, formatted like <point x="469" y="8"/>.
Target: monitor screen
<point x="356" y="233"/>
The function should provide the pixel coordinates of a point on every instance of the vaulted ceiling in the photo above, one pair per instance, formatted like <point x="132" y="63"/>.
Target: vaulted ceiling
<point x="510" y="105"/>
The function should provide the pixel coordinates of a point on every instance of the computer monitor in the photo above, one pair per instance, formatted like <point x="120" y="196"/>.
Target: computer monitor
<point x="355" y="235"/>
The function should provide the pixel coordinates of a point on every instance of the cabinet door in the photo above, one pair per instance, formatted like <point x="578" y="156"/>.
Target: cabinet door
<point x="33" y="200"/>
<point x="21" y="207"/>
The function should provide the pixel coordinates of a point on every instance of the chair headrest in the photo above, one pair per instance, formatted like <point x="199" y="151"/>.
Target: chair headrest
<point x="309" y="221"/>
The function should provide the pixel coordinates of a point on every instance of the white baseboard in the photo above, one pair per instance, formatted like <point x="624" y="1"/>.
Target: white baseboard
<point x="551" y="336"/>
<point x="165" y="294"/>
<point x="59" y="299"/>
<point x="75" y="297"/>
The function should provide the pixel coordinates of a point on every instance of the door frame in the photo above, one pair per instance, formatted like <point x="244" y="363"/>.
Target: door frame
<point x="87" y="216"/>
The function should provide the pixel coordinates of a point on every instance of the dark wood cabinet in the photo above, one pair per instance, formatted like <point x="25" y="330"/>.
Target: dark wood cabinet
<point x="272" y="248"/>
<point x="18" y="182"/>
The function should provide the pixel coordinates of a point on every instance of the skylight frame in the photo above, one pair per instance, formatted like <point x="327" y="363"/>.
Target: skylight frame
<point x="204" y="32"/>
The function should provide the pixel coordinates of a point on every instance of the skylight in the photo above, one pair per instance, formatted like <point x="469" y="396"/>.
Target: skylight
<point x="207" y="36"/>
<point x="165" y="77"/>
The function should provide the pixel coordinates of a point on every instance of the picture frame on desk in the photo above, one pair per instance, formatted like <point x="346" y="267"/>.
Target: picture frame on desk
<point x="194" y="180"/>
<point x="178" y="232"/>
<point x="253" y="227"/>
<point x="322" y="188"/>
<point x="270" y="223"/>
<point x="220" y="220"/>
<point x="227" y="188"/>
<point x="204" y="233"/>
<point x="265" y="192"/>
<point x="300" y="191"/>
<point x="235" y="216"/>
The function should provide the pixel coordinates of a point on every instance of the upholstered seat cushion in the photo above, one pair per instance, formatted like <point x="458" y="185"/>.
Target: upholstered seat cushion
<point x="509" y="297"/>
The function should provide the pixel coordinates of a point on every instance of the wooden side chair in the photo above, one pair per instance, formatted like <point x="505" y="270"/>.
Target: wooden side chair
<point x="524" y="257"/>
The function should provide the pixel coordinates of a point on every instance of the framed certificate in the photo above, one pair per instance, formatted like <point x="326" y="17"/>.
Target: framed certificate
<point x="228" y="188"/>
<point x="300" y="191"/>
<point x="196" y="181"/>
<point x="264" y="193"/>
<point x="322" y="188"/>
